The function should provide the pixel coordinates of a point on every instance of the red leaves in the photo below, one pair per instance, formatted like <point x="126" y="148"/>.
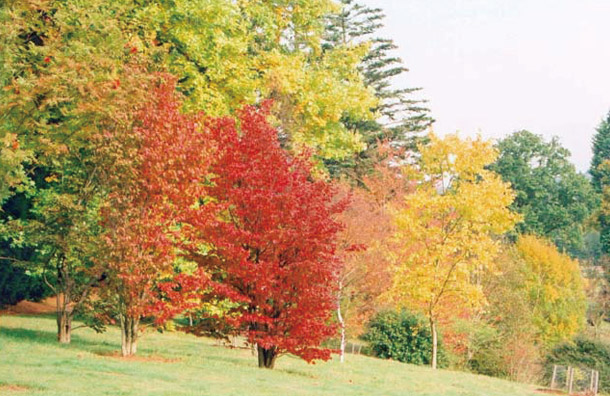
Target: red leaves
<point x="276" y="237"/>
<point x="153" y="185"/>
<point x="47" y="59"/>
<point x="266" y="224"/>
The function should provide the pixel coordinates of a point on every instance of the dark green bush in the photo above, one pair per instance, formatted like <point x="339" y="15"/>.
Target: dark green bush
<point x="583" y="353"/>
<point x="402" y="336"/>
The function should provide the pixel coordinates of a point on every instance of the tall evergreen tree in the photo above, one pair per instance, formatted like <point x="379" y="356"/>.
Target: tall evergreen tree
<point x="601" y="152"/>
<point x="600" y="173"/>
<point x="402" y="116"/>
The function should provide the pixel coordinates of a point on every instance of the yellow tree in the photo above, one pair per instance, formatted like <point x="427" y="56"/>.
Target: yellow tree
<point x="555" y="289"/>
<point x="230" y="53"/>
<point x="447" y="229"/>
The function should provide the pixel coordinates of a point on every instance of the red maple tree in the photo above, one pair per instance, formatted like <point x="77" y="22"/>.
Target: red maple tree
<point x="156" y="170"/>
<point x="272" y="242"/>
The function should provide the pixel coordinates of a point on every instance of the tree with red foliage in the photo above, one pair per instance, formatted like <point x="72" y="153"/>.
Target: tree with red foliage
<point x="157" y="172"/>
<point x="273" y="240"/>
<point x="367" y="251"/>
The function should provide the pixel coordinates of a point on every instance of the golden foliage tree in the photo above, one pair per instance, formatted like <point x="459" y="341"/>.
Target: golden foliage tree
<point x="447" y="229"/>
<point x="555" y="289"/>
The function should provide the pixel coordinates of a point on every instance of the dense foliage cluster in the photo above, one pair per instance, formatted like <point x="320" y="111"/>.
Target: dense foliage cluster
<point x="553" y="198"/>
<point x="402" y="336"/>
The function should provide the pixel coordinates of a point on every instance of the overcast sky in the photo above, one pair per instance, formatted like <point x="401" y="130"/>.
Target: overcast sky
<point x="496" y="66"/>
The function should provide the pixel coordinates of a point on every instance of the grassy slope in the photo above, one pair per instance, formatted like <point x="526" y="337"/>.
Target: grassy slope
<point x="30" y="357"/>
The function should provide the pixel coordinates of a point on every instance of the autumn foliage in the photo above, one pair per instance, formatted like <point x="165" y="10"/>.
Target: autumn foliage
<point x="218" y="192"/>
<point x="555" y="289"/>
<point x="158" y="167"/>
<point x="272" y="241"/>
<point x="446" y="228"/>
<point x="366" y="244"/>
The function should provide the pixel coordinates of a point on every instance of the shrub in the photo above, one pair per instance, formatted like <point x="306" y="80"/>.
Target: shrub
<point x="402" y="336"/>
<point x="583" y="353"/>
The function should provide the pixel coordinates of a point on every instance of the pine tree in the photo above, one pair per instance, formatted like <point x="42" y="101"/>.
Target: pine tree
<point x="600" y="173"/>
<point x="601" y="152"/>
<point x="402" y="116"/>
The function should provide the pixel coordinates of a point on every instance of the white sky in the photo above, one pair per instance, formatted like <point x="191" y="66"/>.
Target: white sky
<point x="496" y="66"/>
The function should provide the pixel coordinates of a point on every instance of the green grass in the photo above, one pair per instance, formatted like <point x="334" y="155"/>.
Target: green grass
<point x="31" y="359"/>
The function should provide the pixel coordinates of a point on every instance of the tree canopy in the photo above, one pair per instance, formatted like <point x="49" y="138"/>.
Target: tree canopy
<point x="554" y="199"/>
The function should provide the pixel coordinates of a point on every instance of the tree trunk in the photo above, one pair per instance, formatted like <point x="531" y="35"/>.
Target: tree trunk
<point x="64" y="324"/>
<point x="63" y="301"/>
<point x="342" y="324"/>
<point x="129" y="335"/>
<point x="434" y="343"/>
<point x="266" y="357"/>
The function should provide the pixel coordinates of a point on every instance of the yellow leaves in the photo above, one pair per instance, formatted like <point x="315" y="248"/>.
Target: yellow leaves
<point x="451" y="156"/>
<point x="447" y="226"/>
<point x="312" y="95"/>
<point x="555" y="286"/>
<point x="50" y="179"/>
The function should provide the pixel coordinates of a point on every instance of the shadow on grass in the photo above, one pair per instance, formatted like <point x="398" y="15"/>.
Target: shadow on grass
<point x="50" y="338"/>
<point x="297" y="373"/>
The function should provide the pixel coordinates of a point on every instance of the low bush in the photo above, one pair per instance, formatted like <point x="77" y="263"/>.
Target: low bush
<point x="402" y="336"/>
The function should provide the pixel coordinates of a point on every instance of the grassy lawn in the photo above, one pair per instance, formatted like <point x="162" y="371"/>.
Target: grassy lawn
<point x="32" y="363"/>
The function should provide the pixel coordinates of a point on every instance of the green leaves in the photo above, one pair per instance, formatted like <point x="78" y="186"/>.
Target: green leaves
<point x="554" y="199"/>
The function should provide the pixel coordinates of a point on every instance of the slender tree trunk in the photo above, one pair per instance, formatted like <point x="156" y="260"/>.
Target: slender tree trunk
<point x="129" y="335"/>
<point x="342" y="324"/>
<point x="266" y="357"/>
<point x="63" y="301"/>
<point x="434" y="343"/>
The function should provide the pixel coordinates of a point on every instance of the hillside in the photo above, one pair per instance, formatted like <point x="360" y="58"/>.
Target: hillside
<point x="33" y="363"/>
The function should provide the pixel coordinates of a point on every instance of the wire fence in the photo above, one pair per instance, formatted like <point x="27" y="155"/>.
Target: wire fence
<point x="575" y="380"/>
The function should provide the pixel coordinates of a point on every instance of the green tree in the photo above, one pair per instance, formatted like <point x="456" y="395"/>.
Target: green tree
<point x="403" y="336"/>
<point x="402" y="115"/>
<point x="64" y="88"/>
<point x="601" y="153"/>
<point x="600" y="173"/>
<point x="554" y="199"/>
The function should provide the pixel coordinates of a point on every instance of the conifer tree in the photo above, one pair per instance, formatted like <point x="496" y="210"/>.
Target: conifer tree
<point x="600" y="173"/>
<point x="402" y="116"/>
<point x="601" y="152"/>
